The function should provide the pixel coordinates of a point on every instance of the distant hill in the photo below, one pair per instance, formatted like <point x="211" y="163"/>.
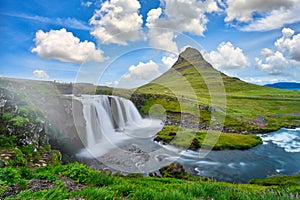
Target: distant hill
<point x="285" y="85"/>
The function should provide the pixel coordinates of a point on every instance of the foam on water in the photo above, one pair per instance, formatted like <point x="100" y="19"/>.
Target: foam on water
<point x="204" y="162"/>
<point x="288" y="139"/>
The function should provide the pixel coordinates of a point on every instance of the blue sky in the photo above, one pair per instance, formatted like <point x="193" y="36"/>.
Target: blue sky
<point x="128" y="42"/>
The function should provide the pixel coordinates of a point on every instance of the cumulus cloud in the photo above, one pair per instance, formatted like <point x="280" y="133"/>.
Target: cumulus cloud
<point x="289" y="43"/>
<point x="142" y="71"/>
<point x="65" y="47"/>
<point x="286" y="54"/>
<point x="172" y="17"/>
<point x="117" y="21"/>
<point x="228" y="57"/>
<point x="140" y="74"/>
<point x="40" y="74"/>
<point x="272" y="62"/>
<point x="163" y="39"/>
<point x="270" y="14"/>
<point x="169" y="60"/>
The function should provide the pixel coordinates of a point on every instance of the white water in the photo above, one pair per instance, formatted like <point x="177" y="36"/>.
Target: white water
<point x="288" y="139"/>
<point x="111" y="120"/>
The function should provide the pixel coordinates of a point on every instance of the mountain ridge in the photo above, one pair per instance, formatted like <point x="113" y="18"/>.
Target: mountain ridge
<point x="285" y="85"/>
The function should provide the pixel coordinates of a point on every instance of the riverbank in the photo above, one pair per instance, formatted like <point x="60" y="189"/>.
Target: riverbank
<point x="193" y="139"/>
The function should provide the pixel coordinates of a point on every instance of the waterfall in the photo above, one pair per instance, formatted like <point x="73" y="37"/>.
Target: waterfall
<point x="111" y="122"/>
<point x="105" y="115"/>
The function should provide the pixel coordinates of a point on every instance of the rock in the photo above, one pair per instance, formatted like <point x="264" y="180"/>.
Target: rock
<point x="12" y="190"/>
<point x="2" y="163"/>
<point x="194" y="145"/>
<point x="2" y="102"/>
<point x="72" y="185"/>
<point x="174" y="170"/>
<point x="39" y="184"/>
<point x="30" y="131"/>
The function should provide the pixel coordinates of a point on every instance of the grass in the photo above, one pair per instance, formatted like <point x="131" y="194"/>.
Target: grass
<point x="191" y="139"/>
<point x="101" y="185"/>
<point x="282" y="181"/>
<point x="193" y="82"/>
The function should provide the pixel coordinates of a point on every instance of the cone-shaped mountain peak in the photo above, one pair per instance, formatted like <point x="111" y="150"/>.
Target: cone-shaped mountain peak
<point x="190" y="53"/>
<point x="192" y="70"/>
<point x="191" y="57"/>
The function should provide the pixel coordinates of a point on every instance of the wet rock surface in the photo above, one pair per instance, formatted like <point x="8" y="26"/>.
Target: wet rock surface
<point x="20" y="122"/>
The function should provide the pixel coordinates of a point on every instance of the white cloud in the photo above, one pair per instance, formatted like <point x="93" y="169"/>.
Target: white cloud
<point x="40" y="74"/>
<point x="270" y="14"/>
<point x="228" y="57"/>
<point x="117" y="21"/>
<point x="272" y="62"/>
<point x="140" y="74"/>
<point x="276" y="19"/>
<point x="285" y="55"/>
<point x="169" y="60"/>
<point x="289" y="43"/>
<point x="163" y="39"/>
<point x="65" y="47"/>
<point x="152" y="16"/>
<point x="86" y="4"/>
<point x="178" y="15"/>
<point x="243" y="10"/>
<point x="142" y="71"/>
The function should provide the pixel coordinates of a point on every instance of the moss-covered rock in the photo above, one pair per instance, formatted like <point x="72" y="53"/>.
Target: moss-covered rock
<point x="174" y="170"/>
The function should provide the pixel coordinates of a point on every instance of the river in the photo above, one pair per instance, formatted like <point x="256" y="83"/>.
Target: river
<point x="130" y="147"/>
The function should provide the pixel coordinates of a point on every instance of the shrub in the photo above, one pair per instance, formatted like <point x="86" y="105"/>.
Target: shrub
<point x="10" y="175"/>
<point x="6" y="116"/>
<point x="19" y="159"/>
<point x="23" y="184"/>
<point x="19" y="121"/>
<point x="23" y="112"/>
<point x="8" y="141"/>
<point x="25" y="173"/>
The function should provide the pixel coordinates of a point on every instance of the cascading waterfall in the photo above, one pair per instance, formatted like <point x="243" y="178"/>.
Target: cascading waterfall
<point x="106" y="116"/>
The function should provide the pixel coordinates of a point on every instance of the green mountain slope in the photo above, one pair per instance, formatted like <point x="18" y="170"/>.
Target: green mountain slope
<point x="193" y="86"/>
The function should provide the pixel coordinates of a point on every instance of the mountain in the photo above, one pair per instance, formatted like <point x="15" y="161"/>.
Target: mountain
<point x="285" y="85"/>
<point x="193" y="83"/>
<point x="192" y="69"/>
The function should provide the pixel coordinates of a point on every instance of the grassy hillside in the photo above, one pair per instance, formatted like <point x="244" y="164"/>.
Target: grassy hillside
<point x="193" y="83"/>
